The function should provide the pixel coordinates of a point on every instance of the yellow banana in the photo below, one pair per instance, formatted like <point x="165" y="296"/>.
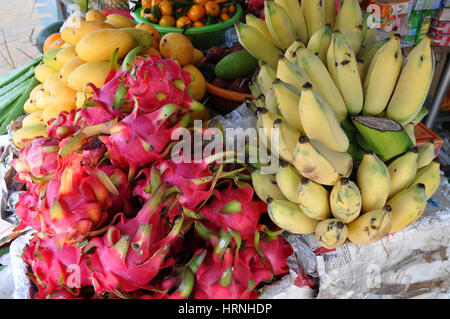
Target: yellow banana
<point x="329" y="9"/>
<point x="381" y="76"/>
<point x="402" y="171"/>
<point x="287" y="97"/>
<point x="265" y="77"/>
<point x="287" y="141"/>
<point x="295" y="13"/>
<point x="279" y="24"/>
<point x="261" y="26"/>
<point x="290" y="217"/>
<point x="359" y="19"/>
<point x="331" y="233"/>
<point x="430" y="176"/>
<point x="322" y="81"/>
<point x="320" y="42"/>
<point x="345" y="200"/>
<point x="265" y="186"/>
<point x="413" y="83"/>
<point x="367" y="54"/>
<point x="373" y="182"/>
<point x="331" y="63"/>
<point x="406" y="206"/>
<point x="257" y="45"/>
<point x="311" y="164"/>
<point x="313" y="199"/>
<point x="288" y="180"/>
<point x="341" y="161"/>
<point x="319" y="121"/>
<point x="354" y="38"/>
<point x="266" y="119"/>
<point x="371" y="226"/>
<point x="291" y="73"/>
<point x="314" y="15"/>
<point x="361" y="69"/>
<point x="425" y="155"/>
<point x="271" y="101"/>
<point x="346" y="18"/>
<point x="290" y="52"/>
<point x="346" y="75"/>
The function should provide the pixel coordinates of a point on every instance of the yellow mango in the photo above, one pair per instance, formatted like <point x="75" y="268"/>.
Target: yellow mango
<point x="42" y="72"/>
<point x="68" y="68"/>
<point x="42" y="100"/>
<point x="62" y="95"/>
<point x="65" y="55"/>
<point x="94" y="72"/>
<point x="68" y="36"/>
<point x="119" y="21"/>
<point x="94" y="15"/>
<point x="80" y="98"/>
<point x="31" y="119"/>
<point x="35" y="90"/>
<point x="197" y="87"/>
<point x="87" y="27"/>
<point x="25" y="135"/>
<point x="53" y="110"/>
<point x="30" y="106"/>
<point x="52" y="79"/>
<point x="99" y="45"/>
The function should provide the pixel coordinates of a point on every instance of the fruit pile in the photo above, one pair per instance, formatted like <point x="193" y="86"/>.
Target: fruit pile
<point x="85" y="57"/>
<point x="117" y="217"/>
<point x="229" y="68"/>
<point x="196" y="13"/>
<point x="345" y="107"/>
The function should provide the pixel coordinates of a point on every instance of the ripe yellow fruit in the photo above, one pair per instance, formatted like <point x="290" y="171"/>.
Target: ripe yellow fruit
<point x="70" y="66"/>
<point x="119" y="21"/>
<point x="198" y="57"/>
<point x="95" y="15"/>
<point x="94" y="72"/>
<point x="42" y="72"/>
<point x="34" y="118"/>
<point x="65" y="55"/>
<point x="87" y="27"/>
<point x="178" y="46"/>
<point x="152" y="31"/>
<point x="197" y="87"/>
<point x="25" y="135"/>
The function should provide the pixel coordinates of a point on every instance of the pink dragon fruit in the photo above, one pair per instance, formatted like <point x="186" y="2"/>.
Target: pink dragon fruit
<point x="57" y="272"/>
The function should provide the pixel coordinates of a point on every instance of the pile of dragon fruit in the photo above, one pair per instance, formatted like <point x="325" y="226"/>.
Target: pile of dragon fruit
<point x="116" y="217"/>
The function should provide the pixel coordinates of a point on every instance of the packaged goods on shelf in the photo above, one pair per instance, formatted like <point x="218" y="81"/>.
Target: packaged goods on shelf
<point x="427" y="4"/>
<point x="442" y="15"/>
<point x="440" y="39"/>
<point x="425" y="21"/>
<point x="413" y="24"/>
<point x="440" y="26"/>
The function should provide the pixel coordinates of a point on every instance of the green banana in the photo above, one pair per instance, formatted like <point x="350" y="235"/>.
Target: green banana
<point x="313" y="199"/>
<point x="413" y="83"/>
<point x="322" y="81"/>
<point x="290" y="217"/>
<point x="430" y="176"/>
<point x="382" y="76"/>
<point x="345" y="200"/>
<point x="255" y="89"/>
<point x="288" y="179"/>
<point x="257" y="45"/>
<point x="295" y="13"/>
<point x="402" y="171"/>
<point x="419" y="117"/>
<point x="406" y="206"/>
<point x="320" y="42"/>
<point x="371" y="226"/>
<point x="265" y="186"/>
<point x="409" y="129"/>
<point x="426" y="154"/>
<point x="331" y="233"/>
<point x="287" y="97"/>
<point x="279" y="24"/>
<point x="373" y="182"/>
<point x="271" y="101"/>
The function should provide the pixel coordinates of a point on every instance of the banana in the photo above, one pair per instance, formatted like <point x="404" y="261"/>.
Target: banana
<point x="354" y="39"/>
<point x="367" y="53"/>
<point x="371" y="226"/>
<point x="291" y="73"/>
<point x="359" y="19"/>
<point x="369" y="36"/>
<point x="311" y="164"/>
<point x="265" y="186"/>
<point x="409" y="128"/>
<point x="373" y="182"/>
<point x="279" y="24"/>
<point x="313" y="199"/>
<point x="287" y="97"/>
<point x="295" y="13"/>
<point x="261" y="26"/>
<point x="341" y="161"/>
<point x="361" y="69"/>
<point x="320" y="42"/>
<point x="430" y="176"/>
<point x="316" y="16"/>
<point x="255" y="89"/>
<point x="329" y="9"/>
<point x="419" y="117"/>
<point x="402" y="171"/>
<point x="322" y="81"/>
<point x="290" y="52"/>
<point x="257" y="45"/>
<point x="331" y="233"/>
<point x="346" y="18"/>
<point x="287" y="141"/>
<point x="406" y="206"/>
<point x="381" y="76"/>
<point x="265" y="120"/>
<point x="271" y="101"/>
<point x="413" y="83"/>
<point x="319" y="121"/>
<point x="265" y="77"/>
<point x="290" y="217"/>
<point x="345" y="200"/>
<point x="346" y="75"/>
<point x="288" y="179"/>
<point x="426" y="154"/>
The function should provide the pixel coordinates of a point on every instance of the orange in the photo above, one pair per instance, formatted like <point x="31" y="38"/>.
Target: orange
<point x="198" y="24"/>
<point x="167" y="21"/>
<point x="200" y="1"/>
<point x="232" y="9"/>
<point x="221" y="1"/>
<point x="182" y="21"/>
<point x="224" y="16"/>
<point x="212" y="8"/>
<point x="53" y="41"/>
<point x="166" y="8"/>
<point x="155" y="2"/>
<point x="224" y="10"/>
<point x="147" y="4"/>
<point x="196" y="12"/>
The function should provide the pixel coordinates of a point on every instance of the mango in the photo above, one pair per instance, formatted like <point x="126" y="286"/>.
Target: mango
<point x="65" y="55"/>
<point x="33" y="119"/>
<point x="35" y="90"/>
<point x="53" y="110"/>
<point x="197" y="87"/>
<point x="52" y="79"/>
<point x="62" y="95"/>
<point x="99" y="45"/>
<point x="87" y="27"/>
<point x="150" y="29"/>
<point x="68" y="36"/>
<point x="94" y="72"/>
<point x="30" y="106"/>
<point x="42" y="100"/>
<point x="178" y="46"/>
<point x="94" y="15"/>
<point x="80" y="99"/>
<point x="198" y="57"/>
<point x="119" y="21"/>
<point x="25" y="135"/>
<point x="50" y="59"/>
<point x="68" y="68"/>
<point x="42" y="72"/>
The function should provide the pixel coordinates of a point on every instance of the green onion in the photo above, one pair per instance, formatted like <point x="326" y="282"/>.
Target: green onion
<point x="14" y="74"/>
<point x="16" y="82"/>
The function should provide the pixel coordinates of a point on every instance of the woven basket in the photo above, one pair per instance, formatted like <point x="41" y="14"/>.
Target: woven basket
<point x="224" y="100"/>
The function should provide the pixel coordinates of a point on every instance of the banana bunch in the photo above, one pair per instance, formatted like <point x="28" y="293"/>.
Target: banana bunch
<point x="338" y="109"/>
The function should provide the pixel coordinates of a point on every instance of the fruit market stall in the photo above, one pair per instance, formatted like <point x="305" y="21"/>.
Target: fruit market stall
<point x="223" y="149"/>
